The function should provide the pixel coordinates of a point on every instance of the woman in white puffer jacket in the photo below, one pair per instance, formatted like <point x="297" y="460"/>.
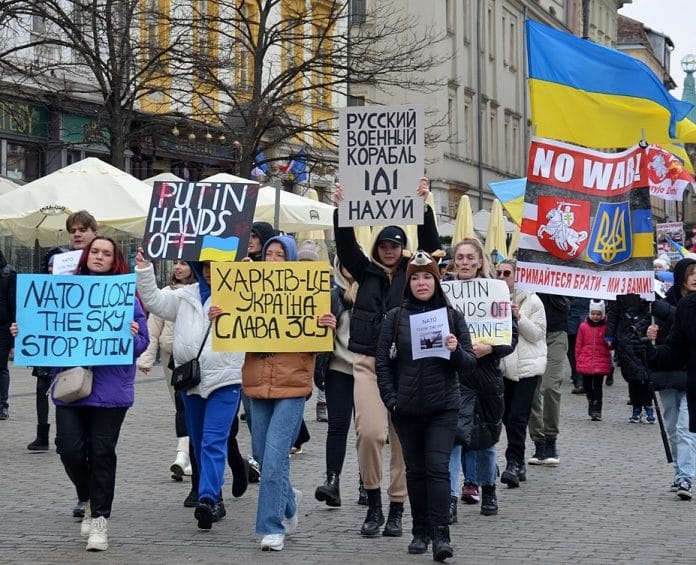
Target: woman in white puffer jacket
<point x="522" y="369"/>
<point x="212" y="404"/>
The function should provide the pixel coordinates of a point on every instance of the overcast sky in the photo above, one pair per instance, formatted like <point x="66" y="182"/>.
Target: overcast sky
<point x="674" y="18"/>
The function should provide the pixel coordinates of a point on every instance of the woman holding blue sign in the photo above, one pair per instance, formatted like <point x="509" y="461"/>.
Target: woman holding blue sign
<point x="88" y="429"/>
<point x="210" y="405"/>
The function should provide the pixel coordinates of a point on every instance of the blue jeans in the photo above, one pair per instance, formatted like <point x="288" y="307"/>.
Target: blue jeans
<point x="208" y="421"/>
<point x="682" y="442"/>
<point x="274" y="428"/>
<point x="479" y="466"/>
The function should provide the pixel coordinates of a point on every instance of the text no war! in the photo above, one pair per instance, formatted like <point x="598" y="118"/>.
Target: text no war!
<point x="67" y="321"/>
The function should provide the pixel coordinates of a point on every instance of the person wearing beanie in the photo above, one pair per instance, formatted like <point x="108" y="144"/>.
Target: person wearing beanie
<point x="308" y="251"/>
<point x="277" y="385"/>
<point x="261" y="232"/>
<point x="381" y="278"/>
<point x="660" y="264"/>
<point x="670" y="376"/>
<point x="422" y="396"/>
<point x="593" y="357"/>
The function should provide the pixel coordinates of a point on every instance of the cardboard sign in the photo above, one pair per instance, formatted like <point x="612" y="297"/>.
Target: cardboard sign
<point x="74" y="320"/>
<point x="271" y="307"/>
<point x="485" y="304"/>
<point x="380" y="157"/>
<point x="428" y="333"/>
<point x="673" y="231"/>
<point x="200" y="221"/>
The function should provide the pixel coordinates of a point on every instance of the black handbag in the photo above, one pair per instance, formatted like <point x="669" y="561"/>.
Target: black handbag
<point x="188" y="375"/>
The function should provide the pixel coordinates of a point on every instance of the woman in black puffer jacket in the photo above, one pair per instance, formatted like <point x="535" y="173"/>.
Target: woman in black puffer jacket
<point x="423" y="398"/>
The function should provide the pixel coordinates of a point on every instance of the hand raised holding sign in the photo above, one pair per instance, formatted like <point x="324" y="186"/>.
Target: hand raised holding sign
<point x="327" y="321"/>
<point x="423" y="189"/>
<point x="134" y="327"/>
<point x="140" y="260"/>
<point x="451" y="342"/>
<point x="214" y="312"/>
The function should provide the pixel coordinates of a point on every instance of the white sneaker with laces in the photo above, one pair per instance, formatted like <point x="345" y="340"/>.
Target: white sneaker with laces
<point x="98" y="536"/>
<point x="86" y="525"/>
<point x="273" y="542"/>
<point x="290" y="524"/>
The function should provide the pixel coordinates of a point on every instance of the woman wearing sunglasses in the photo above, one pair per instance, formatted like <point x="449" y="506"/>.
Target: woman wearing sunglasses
<point x="522" y="370"/>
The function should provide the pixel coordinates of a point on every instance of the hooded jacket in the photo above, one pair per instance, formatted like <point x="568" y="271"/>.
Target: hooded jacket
<point x="264" y="231"/>
<point x="279" y="375"/>
<point x="417" y="387"/>
<point x="628" y="318"/>
<point x="592" y="354"/>
<point x="378" y="291"/>
<point x="189" y="312"/>
<point x="529" y="357"/>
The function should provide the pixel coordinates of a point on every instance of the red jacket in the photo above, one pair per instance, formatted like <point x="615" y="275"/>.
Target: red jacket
<point x="592" y="354"/>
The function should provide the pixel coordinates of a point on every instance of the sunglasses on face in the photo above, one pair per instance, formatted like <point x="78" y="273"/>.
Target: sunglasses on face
<point x="504" y="273"/>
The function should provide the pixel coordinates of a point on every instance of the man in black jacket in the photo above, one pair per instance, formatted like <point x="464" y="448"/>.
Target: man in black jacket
<point x="546" y="410"/>
<point x="8" y="291"/>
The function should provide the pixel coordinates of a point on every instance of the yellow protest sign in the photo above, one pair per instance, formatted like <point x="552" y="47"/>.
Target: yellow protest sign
<point x="271" y="307"/>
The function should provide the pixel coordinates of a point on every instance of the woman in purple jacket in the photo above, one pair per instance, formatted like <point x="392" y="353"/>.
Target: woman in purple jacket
<point x="88" y="429"/>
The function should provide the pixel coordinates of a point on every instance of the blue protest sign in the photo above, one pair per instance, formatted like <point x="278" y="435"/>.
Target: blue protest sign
<point x="70" y="320"/>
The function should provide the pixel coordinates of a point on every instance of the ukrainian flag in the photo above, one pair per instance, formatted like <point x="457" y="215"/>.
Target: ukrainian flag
<point x="216" y="248"/>
<point x="587" y="94"/>
<point x="683" y="251"/>
<point x="511" y="195"/>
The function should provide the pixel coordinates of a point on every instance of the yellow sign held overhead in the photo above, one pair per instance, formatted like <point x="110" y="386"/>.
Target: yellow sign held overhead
<point x="271" y="307"/>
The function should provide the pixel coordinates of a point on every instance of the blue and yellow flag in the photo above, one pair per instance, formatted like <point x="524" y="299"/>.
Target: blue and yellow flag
<point x="591" y="95"/>
<point x="683" y="251"/>
<point x="511" y="195"/>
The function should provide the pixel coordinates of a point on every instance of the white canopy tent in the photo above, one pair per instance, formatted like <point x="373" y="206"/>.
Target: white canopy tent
<point x="117" y="200"/>
<point x="162" y="177"/>
<point x="7" y="185"/>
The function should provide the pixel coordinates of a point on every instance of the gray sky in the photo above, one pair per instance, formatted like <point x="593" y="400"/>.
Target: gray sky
<point x="674" y="18"/>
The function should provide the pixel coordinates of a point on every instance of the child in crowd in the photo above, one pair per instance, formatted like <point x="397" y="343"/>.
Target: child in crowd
<point x="593" y="357"/>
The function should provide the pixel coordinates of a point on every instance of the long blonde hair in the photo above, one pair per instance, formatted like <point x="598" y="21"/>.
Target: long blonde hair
<point x="484" y="271"/>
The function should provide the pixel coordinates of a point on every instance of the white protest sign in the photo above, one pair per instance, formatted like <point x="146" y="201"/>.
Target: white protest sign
<point x="428" y="333"/>
<point x="381" y="158"/>
<point x="485" y="304"/>
<point x="66" y="263"/>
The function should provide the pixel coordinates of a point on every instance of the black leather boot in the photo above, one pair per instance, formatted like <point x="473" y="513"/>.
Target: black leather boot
<point x="521" y="471"/>
<point x="375" y="517"/>
<point x="329" y="492"/>
<point x="453" y="510"/>
<point x="41" y="441"/>
<point x="489" y="502"/>
<point x="510" y="476"/>
<point x="441" y="543"/>
<point x="421" y="540"/>
<point x="393" y="528"/>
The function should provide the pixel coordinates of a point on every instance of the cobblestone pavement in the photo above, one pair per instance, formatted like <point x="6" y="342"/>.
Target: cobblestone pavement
<point x="607" y="502"/>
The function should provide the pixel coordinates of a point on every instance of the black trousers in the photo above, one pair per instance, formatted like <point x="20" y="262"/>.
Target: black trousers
<point x="339" y="403"/>
<point x="593" y="390"/>
<point x="42" y="386"/>
<point x="639" y="393"/>
<point x="86" y="440"/>
<point x="427" y="443"/>
<point x="519" y="397"/>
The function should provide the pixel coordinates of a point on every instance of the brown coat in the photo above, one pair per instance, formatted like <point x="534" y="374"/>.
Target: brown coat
<point x="278" y="375"/>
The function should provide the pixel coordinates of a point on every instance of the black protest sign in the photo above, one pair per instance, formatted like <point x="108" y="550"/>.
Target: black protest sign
<point x="200" y="221"/>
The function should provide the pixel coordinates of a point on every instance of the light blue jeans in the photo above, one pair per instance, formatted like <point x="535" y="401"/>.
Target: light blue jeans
<point x="682" y="442"/>
<point x="208" y="421"/>
<point x="274" y="428"/>
<point x="479" y="466"/>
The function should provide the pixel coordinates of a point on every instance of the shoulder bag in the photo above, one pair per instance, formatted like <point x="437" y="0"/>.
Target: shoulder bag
<point x="188" y="375"/>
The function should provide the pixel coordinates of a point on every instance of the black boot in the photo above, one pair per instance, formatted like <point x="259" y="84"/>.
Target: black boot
<point x="596" y="411"/>
<point x="489" y="502"/>
<point x="329" y="492"/>
<point x="551" y="457"/>
<point x="453" y="510"/>
<point x="362" y="493"/>
<point x="441" y="543"/>
<point x="521" y="471"/>
<point x="41" y="441"/>
<point x="393" y="528"/>
<point x="539" y="453"/>
<point x="374" y="518"/>
<point x="421" y="539"/>
<point x="510" y="476"/>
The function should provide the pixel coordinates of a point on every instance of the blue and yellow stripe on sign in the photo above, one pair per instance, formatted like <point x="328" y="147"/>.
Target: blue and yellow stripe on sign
<point x="588" y="94"/>
<point x="216" y="248"/>
<point x="642" y="228"/>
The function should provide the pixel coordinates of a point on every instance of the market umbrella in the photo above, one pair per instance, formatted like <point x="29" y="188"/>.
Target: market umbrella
<point x="495" y="238"/>
<point x="464" y="222"/>
<point x="117" y="200"/>
<point x="163" y="177"/>
<point x="315" y="235"/>
<point x="514" y="242"/>
<point x="297" y="213"/>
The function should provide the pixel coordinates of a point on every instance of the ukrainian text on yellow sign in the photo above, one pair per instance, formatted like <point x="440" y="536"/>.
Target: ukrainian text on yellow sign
<point x="271" y="307"/>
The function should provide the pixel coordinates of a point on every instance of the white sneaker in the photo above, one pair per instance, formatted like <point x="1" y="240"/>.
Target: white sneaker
<point x="273" y="542"/>
<point x="98" y="536"/>
<point x="291" y="523"/>
<point x="86" y="525"/>
<point x="182" y="461"/>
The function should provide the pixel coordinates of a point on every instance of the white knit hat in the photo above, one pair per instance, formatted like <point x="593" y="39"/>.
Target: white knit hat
<point x="597" y="306"/>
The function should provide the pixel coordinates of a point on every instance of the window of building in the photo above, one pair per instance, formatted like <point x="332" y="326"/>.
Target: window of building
<point x="357" y="12"/>
<point x="509" y="29"/>
<point x="452" y="119"/>
<point x="491" y="31"/>
<point x="356" y="100"/>
<point x="468" y="124"/>
<point x="466" y="20"/>
<point x="450" y="14"/>
<point x="493" y="129"/>
<point x="22" y="162"/>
